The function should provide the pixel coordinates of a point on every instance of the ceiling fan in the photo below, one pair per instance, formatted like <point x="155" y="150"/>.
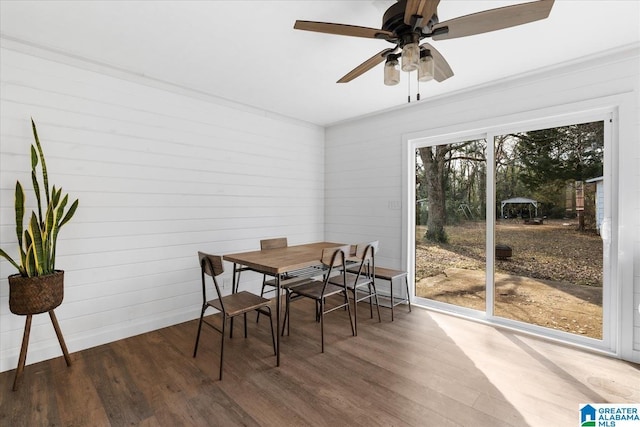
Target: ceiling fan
<point x="407" y="22"/>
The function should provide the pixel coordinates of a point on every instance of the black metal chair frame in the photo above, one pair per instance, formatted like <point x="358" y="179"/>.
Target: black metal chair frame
<point x="363" y="276"/>
<point x="230" y="306"/>
<point x="319" y="290"/>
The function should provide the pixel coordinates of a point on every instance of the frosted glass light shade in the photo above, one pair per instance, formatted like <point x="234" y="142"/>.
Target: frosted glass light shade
<point x="426" y="68"/>
<point x="410" y="57"/>
<point x="391" y="72"/>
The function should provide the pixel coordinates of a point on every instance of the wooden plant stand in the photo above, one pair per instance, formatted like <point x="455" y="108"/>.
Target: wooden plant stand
<point x="35" y="295"/>
<point x="25" y="344"/>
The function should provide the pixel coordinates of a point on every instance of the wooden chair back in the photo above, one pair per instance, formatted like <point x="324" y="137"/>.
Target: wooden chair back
<point x="278" y="242"/>
<point x="333" y="257"/>
<point x="366" y="251"/>
<point x="211" y="265"/>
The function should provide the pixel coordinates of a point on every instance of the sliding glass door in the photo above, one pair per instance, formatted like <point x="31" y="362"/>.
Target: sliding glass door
<point x="549" y="214"/>
<point x="451" y="223"/>
<point x="514" y="226"/>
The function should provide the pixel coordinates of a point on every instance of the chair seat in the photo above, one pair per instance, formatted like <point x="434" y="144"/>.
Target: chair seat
<point x="392" y="275"/>
<point x="351" y="280"/>
<point x="239" y="303"/>
<point x="313" y="289"/>
<point x="383" y="273"/>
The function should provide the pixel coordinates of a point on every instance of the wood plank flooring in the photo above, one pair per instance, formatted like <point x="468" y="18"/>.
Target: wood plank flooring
<point x="423" y="369"/>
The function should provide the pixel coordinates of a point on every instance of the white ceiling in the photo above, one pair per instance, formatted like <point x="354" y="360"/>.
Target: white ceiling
<point x="248" y="51"/>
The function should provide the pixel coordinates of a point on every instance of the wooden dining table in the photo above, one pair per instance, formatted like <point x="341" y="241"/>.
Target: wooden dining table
<point x="278" y="263"/>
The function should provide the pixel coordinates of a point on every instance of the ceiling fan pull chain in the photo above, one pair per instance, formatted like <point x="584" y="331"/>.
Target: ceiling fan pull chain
<point x="418" y="85"/>
<point x="409" y="89"/>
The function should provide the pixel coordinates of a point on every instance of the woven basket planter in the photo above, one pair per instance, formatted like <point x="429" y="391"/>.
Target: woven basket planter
<point x="34" y="295"/>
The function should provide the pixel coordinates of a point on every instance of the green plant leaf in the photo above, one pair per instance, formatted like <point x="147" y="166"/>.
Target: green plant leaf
<point x="62" y="204"/>
<point x="38" y="251"/>
<point x="70" y="213"/>
<point x="45" y="177"/>
<point x="19" y="207"/>
<point x="28" y="243"/>
<point x="30" y="263"/>
<point x="57" y="214"/>
<point x="36" y="190"/>
<point x="34" y="158"/>
<point x="50" y="223"/>
<point x="55" y="198"/>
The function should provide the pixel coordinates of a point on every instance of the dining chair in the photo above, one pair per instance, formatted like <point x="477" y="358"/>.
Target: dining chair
<point x="275" y="243"/>
<point x="392" y="276"/>
<point x="229" y="306"/>
<point x="333" y="260"/>
<point x="362" y="278"/>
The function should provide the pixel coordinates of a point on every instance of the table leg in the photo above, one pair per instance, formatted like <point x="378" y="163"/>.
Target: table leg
<point x="235" y="282"/>
<point x="234" y="288"/>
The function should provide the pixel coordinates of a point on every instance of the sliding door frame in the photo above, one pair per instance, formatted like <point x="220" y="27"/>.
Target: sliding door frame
<point x="488" y="129"/>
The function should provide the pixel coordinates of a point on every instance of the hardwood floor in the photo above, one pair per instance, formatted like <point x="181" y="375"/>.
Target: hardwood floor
<point x="423" y="369"/>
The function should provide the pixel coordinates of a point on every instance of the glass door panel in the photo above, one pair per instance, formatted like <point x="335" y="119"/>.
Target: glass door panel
<point x="549" y="212"/>
<point x="450" y="216"/>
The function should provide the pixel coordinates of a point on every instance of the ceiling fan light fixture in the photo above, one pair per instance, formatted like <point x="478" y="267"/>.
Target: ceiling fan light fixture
<point x="410" y="57"/>
<point x="391" y="72"/>
<point x="426" y="68"/>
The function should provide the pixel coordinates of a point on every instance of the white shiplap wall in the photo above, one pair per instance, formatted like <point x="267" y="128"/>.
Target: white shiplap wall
<point x="160" y="174"/>
<point x="364" y="179"/>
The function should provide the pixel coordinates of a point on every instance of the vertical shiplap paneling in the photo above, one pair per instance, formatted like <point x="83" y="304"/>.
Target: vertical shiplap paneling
<point x="160" y="175"/>
<point x="363" y="157"/>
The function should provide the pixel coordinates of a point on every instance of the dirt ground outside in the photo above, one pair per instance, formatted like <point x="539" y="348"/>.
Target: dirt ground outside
<point x="553" y="279"/>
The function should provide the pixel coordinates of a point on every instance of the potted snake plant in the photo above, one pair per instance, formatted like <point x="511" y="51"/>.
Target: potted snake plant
<point x="38" y="286"/>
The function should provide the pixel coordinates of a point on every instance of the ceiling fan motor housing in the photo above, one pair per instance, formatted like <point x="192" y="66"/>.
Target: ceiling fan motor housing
<point x="393" y="21"/>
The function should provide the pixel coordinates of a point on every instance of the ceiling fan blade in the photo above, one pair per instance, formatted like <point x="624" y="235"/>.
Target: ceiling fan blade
<point x="366" y="65"/>
<point x="343" y="30"/>
<point x="424" y="8"/>
<point x="493" y="19"/>
<point x="442" y="70"/>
